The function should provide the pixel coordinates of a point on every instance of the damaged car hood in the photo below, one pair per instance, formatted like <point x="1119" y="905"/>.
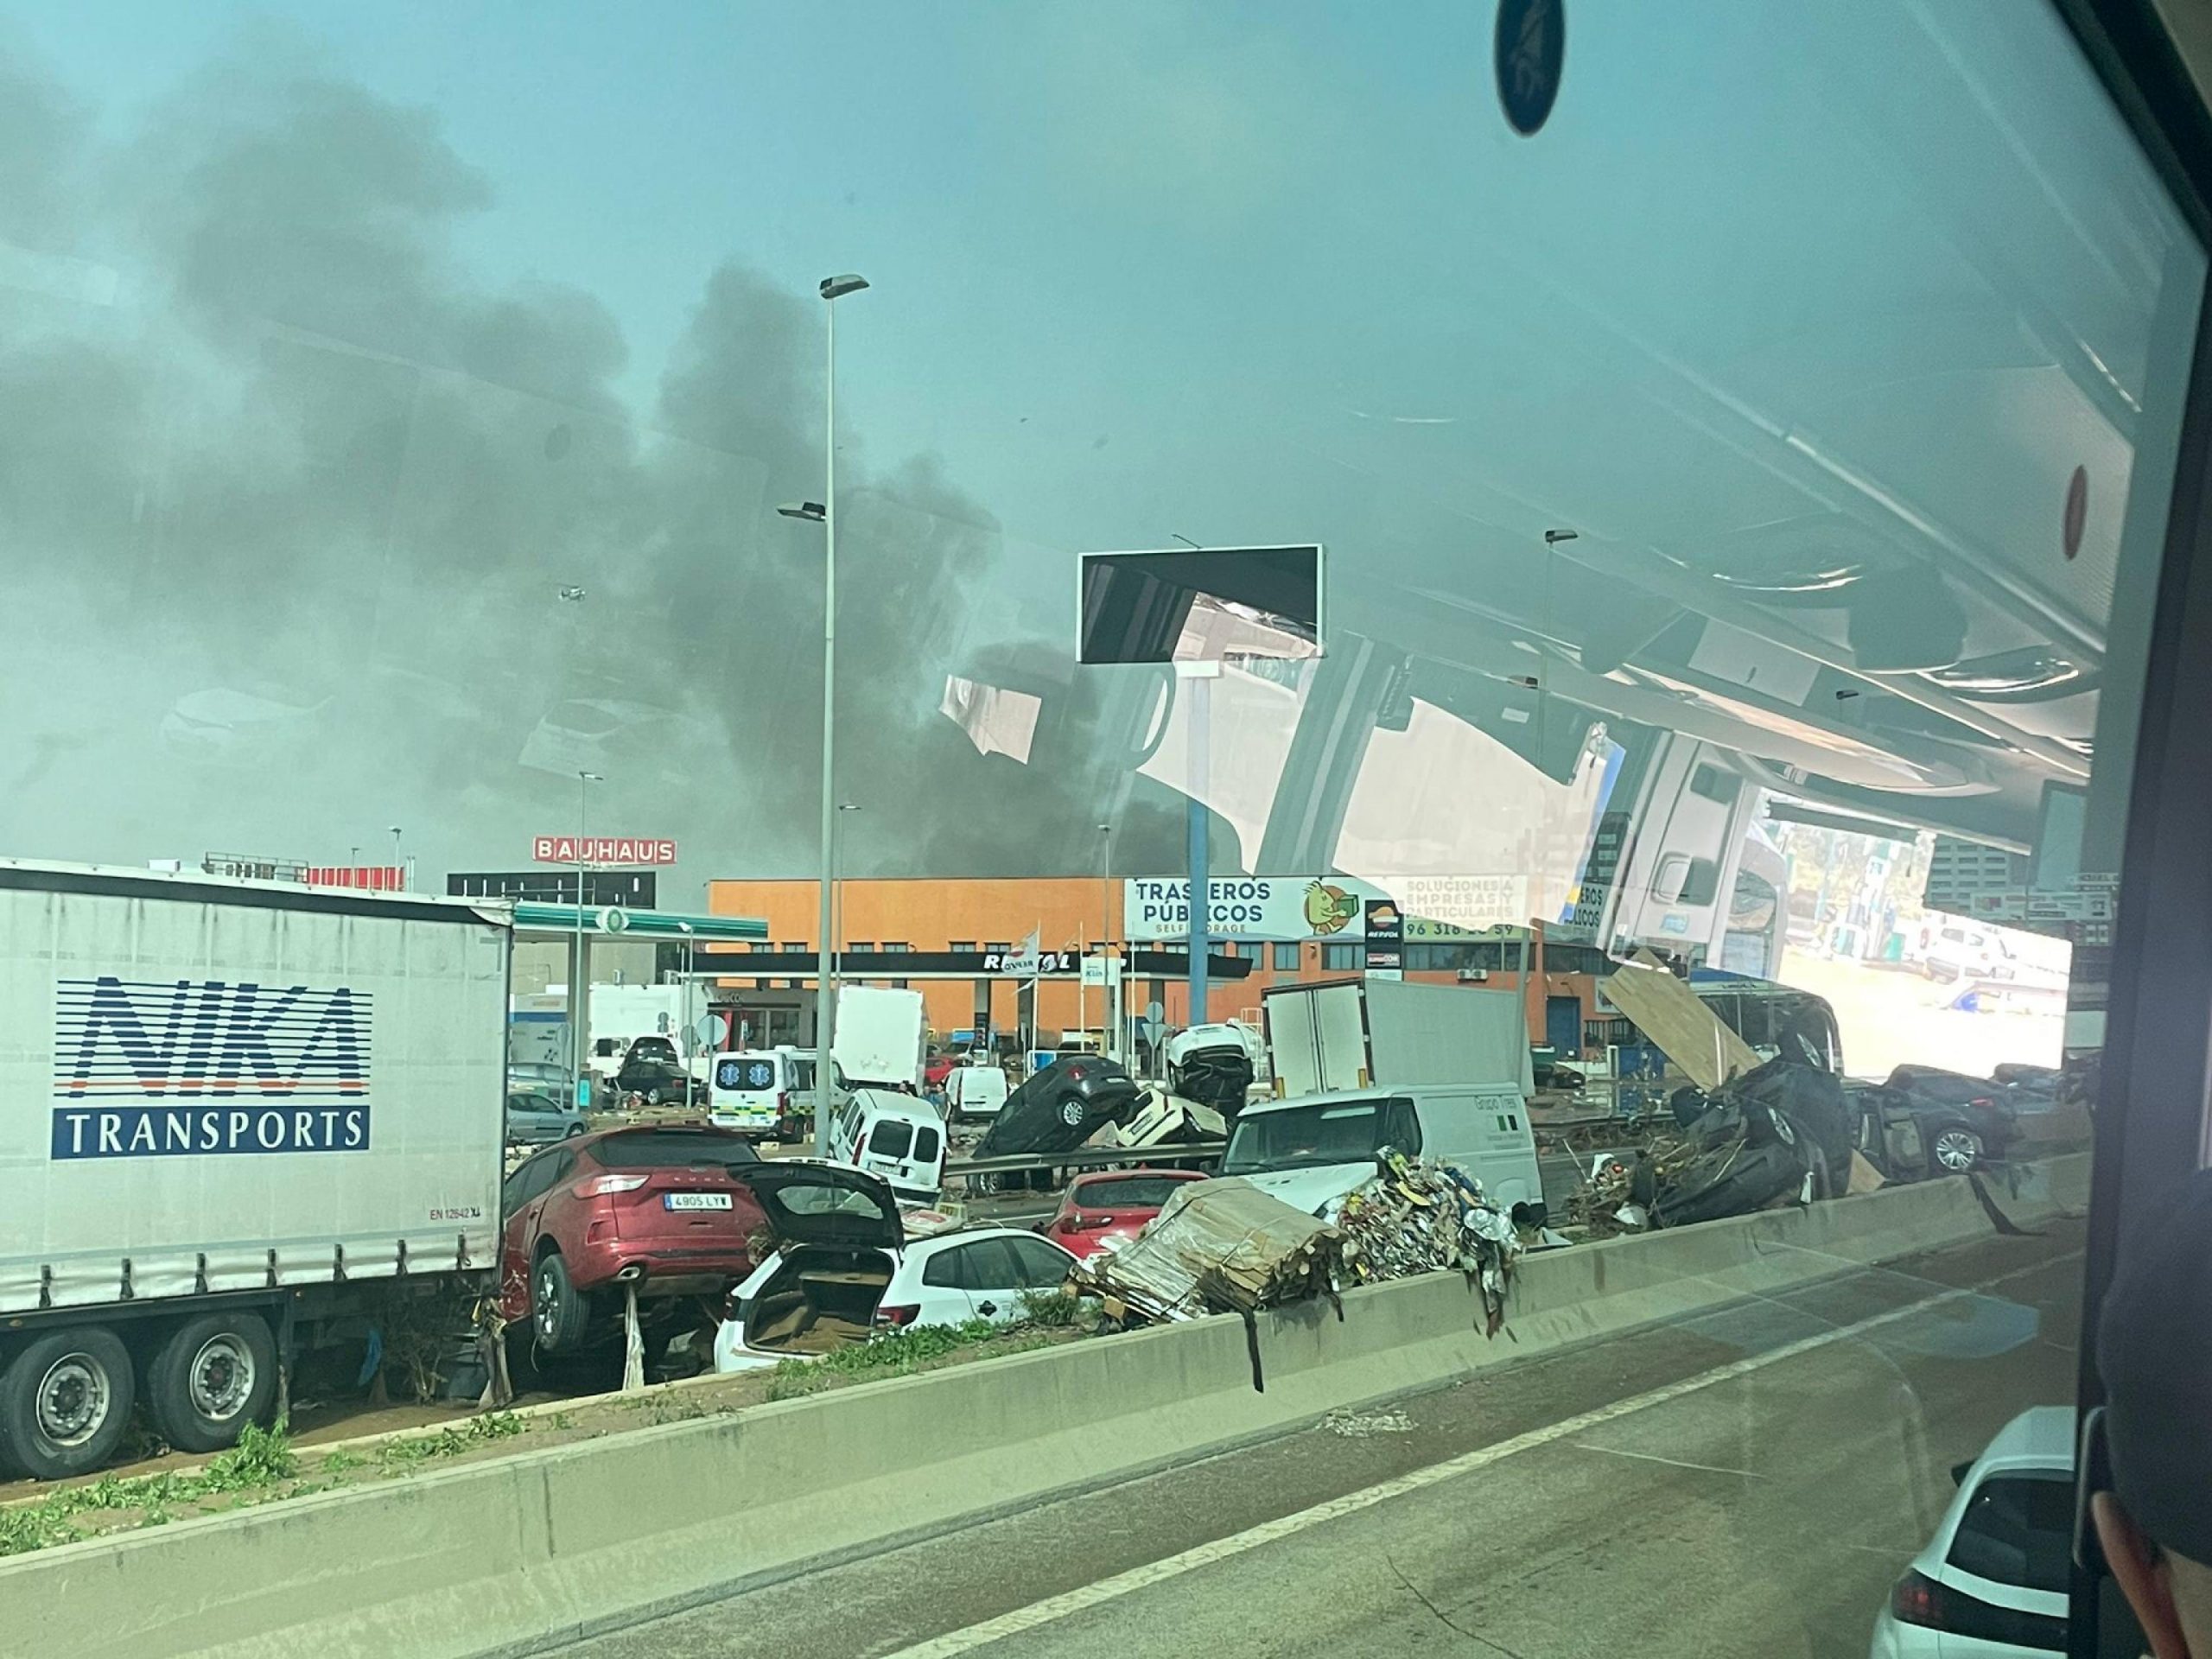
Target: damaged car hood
<point x="1317" y="1189"/>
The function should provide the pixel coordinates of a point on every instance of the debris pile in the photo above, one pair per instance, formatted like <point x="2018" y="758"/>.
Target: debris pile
<point x="1780" y="1133"/>
<point x="1416" y="1216"/>
<point x="1216" y="1246"/>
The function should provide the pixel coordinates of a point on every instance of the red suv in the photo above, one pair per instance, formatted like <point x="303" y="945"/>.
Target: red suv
<point x="1105" y="1210"/>
<point x="665" y="1208"/>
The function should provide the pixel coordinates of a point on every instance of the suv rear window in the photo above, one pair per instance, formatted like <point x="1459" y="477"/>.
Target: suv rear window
<point x="663" y="1148"/>
<point x="1125" y="1192"/>
<point x="2017" y="1529"/>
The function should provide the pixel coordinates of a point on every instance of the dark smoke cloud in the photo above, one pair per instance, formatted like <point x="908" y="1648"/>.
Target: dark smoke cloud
<point x="287" y="498"/>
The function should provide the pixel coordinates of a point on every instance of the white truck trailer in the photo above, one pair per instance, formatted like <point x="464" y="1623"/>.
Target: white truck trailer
<point x="1349" y="1033"/>
<point x="235" y="1112"/>
<point x="881" y="1035"/>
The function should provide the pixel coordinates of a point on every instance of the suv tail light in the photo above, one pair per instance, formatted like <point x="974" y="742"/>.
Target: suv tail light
<point x="1917" y="1599"/>
<point x="898" y="1316"/>
<point x="592" y="1186"/>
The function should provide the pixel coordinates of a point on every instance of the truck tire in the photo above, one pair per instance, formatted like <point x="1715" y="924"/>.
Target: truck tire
<point x="558" y="1311"/>
<point x="210" y="1378"/>
<point x="65" y="1401"/>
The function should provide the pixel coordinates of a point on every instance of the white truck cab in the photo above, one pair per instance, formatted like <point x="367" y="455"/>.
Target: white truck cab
<point x="1311" y="1151"/>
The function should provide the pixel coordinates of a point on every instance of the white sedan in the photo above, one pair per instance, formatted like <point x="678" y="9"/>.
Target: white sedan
<point x="1992" y="1579"/>
<point x="845" y="1269"/>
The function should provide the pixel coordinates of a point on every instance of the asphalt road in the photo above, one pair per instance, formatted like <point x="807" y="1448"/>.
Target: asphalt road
<point x="1751" y="1481"/>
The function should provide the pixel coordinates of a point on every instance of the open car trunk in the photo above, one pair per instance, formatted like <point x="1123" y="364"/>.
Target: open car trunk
<point x="821" y="1298"/>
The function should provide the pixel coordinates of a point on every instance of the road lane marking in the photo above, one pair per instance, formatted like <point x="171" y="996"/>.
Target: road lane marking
<point x="1672" y="1462"/>
<point x="1054" y="1608"/>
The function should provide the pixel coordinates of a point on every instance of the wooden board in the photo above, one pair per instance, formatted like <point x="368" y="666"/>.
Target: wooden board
<point x="1688" y="1032"/>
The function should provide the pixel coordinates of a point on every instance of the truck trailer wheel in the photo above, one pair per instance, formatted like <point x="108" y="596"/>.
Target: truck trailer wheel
<point x="211" y="1377"/>
<point x="65" y="1401"/>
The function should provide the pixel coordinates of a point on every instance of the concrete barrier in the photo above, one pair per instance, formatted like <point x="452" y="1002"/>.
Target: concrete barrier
<point x="509" y="1554"/>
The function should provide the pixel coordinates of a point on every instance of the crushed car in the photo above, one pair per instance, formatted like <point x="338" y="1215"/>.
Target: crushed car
<point x="845" y="1269"/>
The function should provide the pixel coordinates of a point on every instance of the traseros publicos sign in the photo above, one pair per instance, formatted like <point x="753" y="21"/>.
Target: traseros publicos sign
<point x="601" y="849"/>
<point x="1249" y="907"/>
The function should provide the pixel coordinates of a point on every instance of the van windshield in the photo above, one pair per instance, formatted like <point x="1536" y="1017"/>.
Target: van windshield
<point x="1326" y="1132"/>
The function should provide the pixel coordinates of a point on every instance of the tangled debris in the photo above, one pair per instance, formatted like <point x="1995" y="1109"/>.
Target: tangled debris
<point x="1216" y="1246"/>
<point x="1418" y="1217"/>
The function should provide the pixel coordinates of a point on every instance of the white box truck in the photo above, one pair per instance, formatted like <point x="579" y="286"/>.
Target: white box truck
<point x="235" y="1112"/>
<point x="1429" y="1069"/>
<point x="1349" y="1033"/>
<point x="879" y="1036"/>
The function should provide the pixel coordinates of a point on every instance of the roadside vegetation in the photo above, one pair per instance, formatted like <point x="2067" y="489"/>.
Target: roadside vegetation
<point x="266" y="1467"/>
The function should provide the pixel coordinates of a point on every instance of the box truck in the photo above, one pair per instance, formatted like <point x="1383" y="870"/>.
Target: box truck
<point x="1351" y="1033"/>
<point x="881" y="1035"/>
<point x="236" y="1114"/>
<point x="1433" y="1070"/>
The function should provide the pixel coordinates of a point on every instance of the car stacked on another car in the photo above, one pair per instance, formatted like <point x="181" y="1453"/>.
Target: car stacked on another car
<point x="845" y="1269"/>
<point x="667" y="1209"/>
<point x="1105" y="1209"/>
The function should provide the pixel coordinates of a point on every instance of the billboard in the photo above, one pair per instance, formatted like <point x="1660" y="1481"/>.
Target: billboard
<point x="601" y="849"/>
<point x="1249" y="907"/>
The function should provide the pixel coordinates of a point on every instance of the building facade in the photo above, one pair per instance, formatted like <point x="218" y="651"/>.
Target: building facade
<point x="1077" y="913"/>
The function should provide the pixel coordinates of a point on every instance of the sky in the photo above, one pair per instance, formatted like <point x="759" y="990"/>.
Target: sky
<point x="344" y="337"/>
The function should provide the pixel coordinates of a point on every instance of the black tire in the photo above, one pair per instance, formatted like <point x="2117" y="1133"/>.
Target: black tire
<point x="83" y="1379"/>
<point x="574" y="1130"/>
<point x="210" y="1378"/>
<point x="1954" y="1149"/>
<point x="558" y="1311"/>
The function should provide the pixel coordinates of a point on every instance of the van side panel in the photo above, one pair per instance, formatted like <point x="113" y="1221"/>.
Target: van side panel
<point x="1485" y="1133"/>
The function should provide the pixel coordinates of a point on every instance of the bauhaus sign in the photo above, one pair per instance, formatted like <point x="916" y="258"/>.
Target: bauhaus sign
<point x="601" y="849"/>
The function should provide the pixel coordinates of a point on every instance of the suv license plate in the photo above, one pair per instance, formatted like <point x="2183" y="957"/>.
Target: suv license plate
<point x="695" y="1200"/>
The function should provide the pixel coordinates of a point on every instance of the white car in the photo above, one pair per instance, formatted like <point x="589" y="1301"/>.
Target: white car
<point x="845" y="1270"/>
<point x="1991" y="1582"/>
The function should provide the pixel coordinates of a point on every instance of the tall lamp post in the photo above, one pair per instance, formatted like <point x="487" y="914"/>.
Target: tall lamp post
<point x="579" y="997"/>
<point x="1112" y="990"/>
<point x="691" y="961"/>
<point x="833" y="288"/>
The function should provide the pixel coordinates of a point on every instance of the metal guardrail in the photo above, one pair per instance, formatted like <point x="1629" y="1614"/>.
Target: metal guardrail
<point x="1167" y="1155"/>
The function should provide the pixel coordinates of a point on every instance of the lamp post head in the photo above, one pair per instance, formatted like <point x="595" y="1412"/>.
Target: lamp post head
<point x="836" y="287"/>
<point x="813" y="511"/>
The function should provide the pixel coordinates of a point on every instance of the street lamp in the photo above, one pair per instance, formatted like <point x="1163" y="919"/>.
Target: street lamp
<point x="833" y="288"/>
<point x="395" y="858"/>
<point x="691" y="961"/>
<point x="579" y="998"/>
<point x="1110" y="991"/>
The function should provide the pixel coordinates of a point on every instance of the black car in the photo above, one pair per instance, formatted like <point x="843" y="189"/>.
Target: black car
<point x="660" y="1082"/>
<point x="1922" y="1119"/>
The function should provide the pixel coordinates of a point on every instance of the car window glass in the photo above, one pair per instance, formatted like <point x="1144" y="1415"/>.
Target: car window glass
<point x="660" y="1149"/>
<point x="947" y="1269"/>
<point x="991" y="1266"/>
<point x="891" y="1138"/>
<point x="525" y="1184"/>
<point x="1042" y="1267"/>
<point x="2017" y="1529"/>
<point x="925" y="1143"/>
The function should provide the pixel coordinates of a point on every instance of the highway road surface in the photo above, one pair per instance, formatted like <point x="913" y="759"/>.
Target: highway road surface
<point x="1748" y="1481"/>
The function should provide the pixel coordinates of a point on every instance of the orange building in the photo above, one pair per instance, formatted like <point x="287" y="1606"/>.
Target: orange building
<point x="1076" y="914"/>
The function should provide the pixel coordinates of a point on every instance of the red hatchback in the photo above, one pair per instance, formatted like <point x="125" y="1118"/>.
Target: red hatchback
<point x="1106" y="1211"/>
<point x="664" y="1208"/>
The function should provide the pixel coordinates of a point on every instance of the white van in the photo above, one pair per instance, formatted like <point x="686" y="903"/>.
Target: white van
<point x="1311" y="1151"/>
<point x="766" y="1091"/>
<point x="975" y="1091"/>
<point x="897" y="1136"/>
